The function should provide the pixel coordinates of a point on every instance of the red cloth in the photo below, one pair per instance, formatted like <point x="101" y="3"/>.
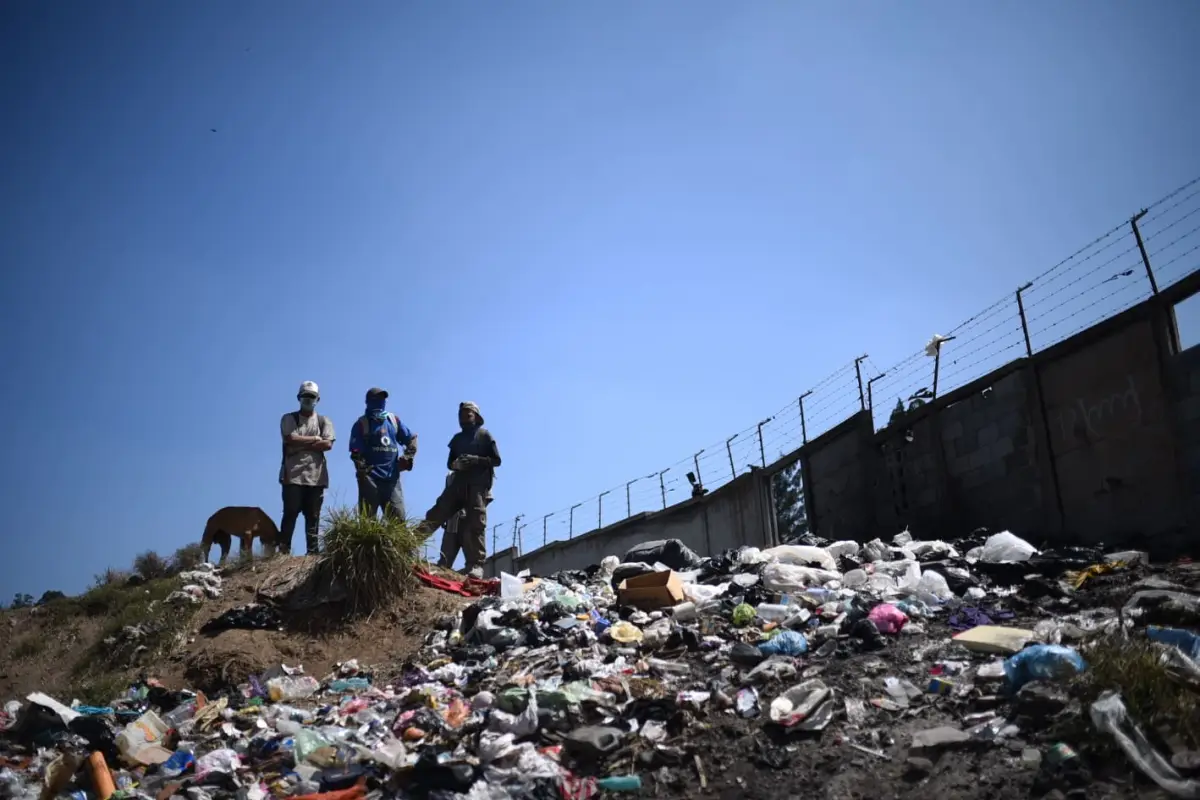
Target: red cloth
<point x="471" y="587"/>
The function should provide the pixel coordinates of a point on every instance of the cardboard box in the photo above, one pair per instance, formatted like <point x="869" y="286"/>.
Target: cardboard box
<point x="651" y="591"/>
<point x="996" y="639"/>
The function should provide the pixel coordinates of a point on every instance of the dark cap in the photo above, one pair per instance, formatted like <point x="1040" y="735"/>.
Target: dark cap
<point x="375" y="391"/>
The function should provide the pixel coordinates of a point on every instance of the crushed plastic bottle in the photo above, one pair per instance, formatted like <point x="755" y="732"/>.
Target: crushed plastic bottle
<point x="289" y="687"/>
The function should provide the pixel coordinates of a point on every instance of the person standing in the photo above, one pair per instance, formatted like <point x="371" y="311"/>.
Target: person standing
<point x="473" y="459"/>
<point x="304" y="475"/>
<point x="451" y="544"/>
<point x="378" y="460"/>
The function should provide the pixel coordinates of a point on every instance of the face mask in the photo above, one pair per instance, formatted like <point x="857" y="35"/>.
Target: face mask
<point x="376" y="407"/>
<point x="308" y="403"/>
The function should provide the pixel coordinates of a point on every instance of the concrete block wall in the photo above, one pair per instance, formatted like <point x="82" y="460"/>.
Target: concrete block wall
<point x="989" y="440"/>
<point x="738" y="513"/>
<point x="1112" y="436"/>
<point x="839" y="493"/>
<point x="1185" y="380"/>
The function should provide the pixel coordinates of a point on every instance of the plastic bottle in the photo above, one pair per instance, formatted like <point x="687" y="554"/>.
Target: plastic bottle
<point x="620" y="783"/>
<point x="774" y="612"/>
<point x="292" y="687"/>
<point x="180" y="714"/>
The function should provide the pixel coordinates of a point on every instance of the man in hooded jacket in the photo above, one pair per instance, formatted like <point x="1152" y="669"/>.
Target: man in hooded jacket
<point x="473" y="460"/>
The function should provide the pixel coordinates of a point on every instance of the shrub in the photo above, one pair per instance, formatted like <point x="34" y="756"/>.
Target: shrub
<point x="188" y="557"/>
<point x="50" y="596"/>
<point x="111" y="577"/>
<point x="151" y="566"/>
<point x="373" y="558"/>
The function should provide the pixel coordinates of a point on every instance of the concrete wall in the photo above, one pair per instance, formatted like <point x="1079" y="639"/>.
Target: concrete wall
<point x="838" y="478"/>
<point x="1185" y="384"/>
<point x="1111" y="436"/>
<point x="1094" y="439"/>
<point x="738" y="513"/>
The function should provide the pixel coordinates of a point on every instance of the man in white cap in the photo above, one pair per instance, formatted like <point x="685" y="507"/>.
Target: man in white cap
<point x="307" y="436"/>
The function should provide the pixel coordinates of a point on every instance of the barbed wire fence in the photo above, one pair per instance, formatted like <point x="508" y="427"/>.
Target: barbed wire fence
<point x="1129" y="263"/>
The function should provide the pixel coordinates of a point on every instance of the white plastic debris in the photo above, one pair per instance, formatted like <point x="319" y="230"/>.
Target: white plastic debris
<point x="1006" y="547"/>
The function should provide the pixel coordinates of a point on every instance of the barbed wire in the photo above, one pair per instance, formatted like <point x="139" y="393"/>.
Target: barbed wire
<point x="1104" y="277"/>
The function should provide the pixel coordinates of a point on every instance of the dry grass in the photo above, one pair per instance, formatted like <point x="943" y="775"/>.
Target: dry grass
<point x="372" y="557"/>
<point x="1154" y="694"/>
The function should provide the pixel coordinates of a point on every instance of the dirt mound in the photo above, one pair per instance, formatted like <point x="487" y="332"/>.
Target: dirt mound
<point x="60" y="648"/>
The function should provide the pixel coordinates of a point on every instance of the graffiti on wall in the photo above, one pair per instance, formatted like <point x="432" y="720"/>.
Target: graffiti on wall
<point x="1094" y="417"/>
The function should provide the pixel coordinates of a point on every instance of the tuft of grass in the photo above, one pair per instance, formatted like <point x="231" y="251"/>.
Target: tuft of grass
<point x="151" y="566"/>
<point x="29" y="647"/>
<point x="372" y="557"/>
<point x="188" y="557"/>
<point x="143" y="607"/>
<point x="99" y="690"/>
<point x="1150" y="690"/>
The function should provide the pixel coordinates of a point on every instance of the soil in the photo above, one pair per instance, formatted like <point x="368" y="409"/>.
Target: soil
<point x="40" y="650"/>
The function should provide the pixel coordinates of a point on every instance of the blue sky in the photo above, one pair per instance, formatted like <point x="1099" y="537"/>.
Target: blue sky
<point x="626" y="230"/>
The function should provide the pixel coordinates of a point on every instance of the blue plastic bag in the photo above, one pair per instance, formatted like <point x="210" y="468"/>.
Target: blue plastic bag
<point x="1186" y="641"/>
<point x="1042" y="662"/>
<point x="787" y="643"/>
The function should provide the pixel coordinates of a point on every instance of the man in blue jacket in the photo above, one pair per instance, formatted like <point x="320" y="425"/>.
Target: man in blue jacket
<point x="375" y="449"/>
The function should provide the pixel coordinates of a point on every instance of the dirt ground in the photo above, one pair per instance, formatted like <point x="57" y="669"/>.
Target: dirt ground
<point x="40" y="650"/>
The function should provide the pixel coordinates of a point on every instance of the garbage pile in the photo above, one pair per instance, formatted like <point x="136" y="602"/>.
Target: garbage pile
<point x="608" y="679"/>
<point x="199" y="583"/>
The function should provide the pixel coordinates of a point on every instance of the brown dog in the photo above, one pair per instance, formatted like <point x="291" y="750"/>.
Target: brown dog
<point x="244" y="522"/>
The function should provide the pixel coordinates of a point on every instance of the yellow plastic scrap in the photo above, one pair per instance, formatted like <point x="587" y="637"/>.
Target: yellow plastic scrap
<point x="1078" y="579"/>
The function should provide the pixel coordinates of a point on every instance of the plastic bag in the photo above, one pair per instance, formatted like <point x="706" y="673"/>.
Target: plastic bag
<point x="672" y="552"/>
<point x="887" y="618"/>
<point x="807" y="706"/>
<point x="793" y="578"/>
<point x="1042" y="662"/>
<point x="625" y="633"/>
<point x="802" y="555"/>
<point x="876" y="550"/>
<point x="1005" y="547"/>
<point x="787" y="643"/>
<point x="934" y="584"/>
<point x="1186" y="642"/>
<point x="511" y="587"/>
<point x="743" y="615"/>
<point x="931" y="550"/>
<point x="1109" y="715"/>
<point x="843" y="548"/>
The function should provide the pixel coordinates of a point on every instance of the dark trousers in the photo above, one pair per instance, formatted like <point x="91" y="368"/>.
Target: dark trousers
<point x="297" y="500"/>
<point x="376" y="493"/>
<point x="472" y="502"/>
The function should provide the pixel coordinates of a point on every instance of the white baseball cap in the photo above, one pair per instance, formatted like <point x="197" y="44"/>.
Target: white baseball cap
<point x="309" y="387"/>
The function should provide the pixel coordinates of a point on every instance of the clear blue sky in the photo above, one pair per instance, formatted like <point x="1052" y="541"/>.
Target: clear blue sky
<point x="626" y="230"/>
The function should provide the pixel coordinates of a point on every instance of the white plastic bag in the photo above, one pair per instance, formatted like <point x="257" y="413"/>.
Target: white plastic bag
<point x="802" y="555"/>
<point x="854" y="579"/>
<point x="843" y="548"/>
<point x="935" y="549"/>
<point x="934" y="584"/>
<point x="1005" y="547"/>
<point x="876" y="550"/>
<point x="1109" y="715"/>
<point x="793" y="578"/>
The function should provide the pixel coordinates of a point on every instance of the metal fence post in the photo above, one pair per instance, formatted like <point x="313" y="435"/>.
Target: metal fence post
<point x="729" y="452"/>
<point x="662" y="487"/>
<point x="803" y="424"/>
<point x="1137" y="234"/>
<point x="862" y="402"/>
<point x="762" y="454"/>
<point x="1024" y="323"/>
<point x="571" y="522"/>
<point x="600" y="509"/>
